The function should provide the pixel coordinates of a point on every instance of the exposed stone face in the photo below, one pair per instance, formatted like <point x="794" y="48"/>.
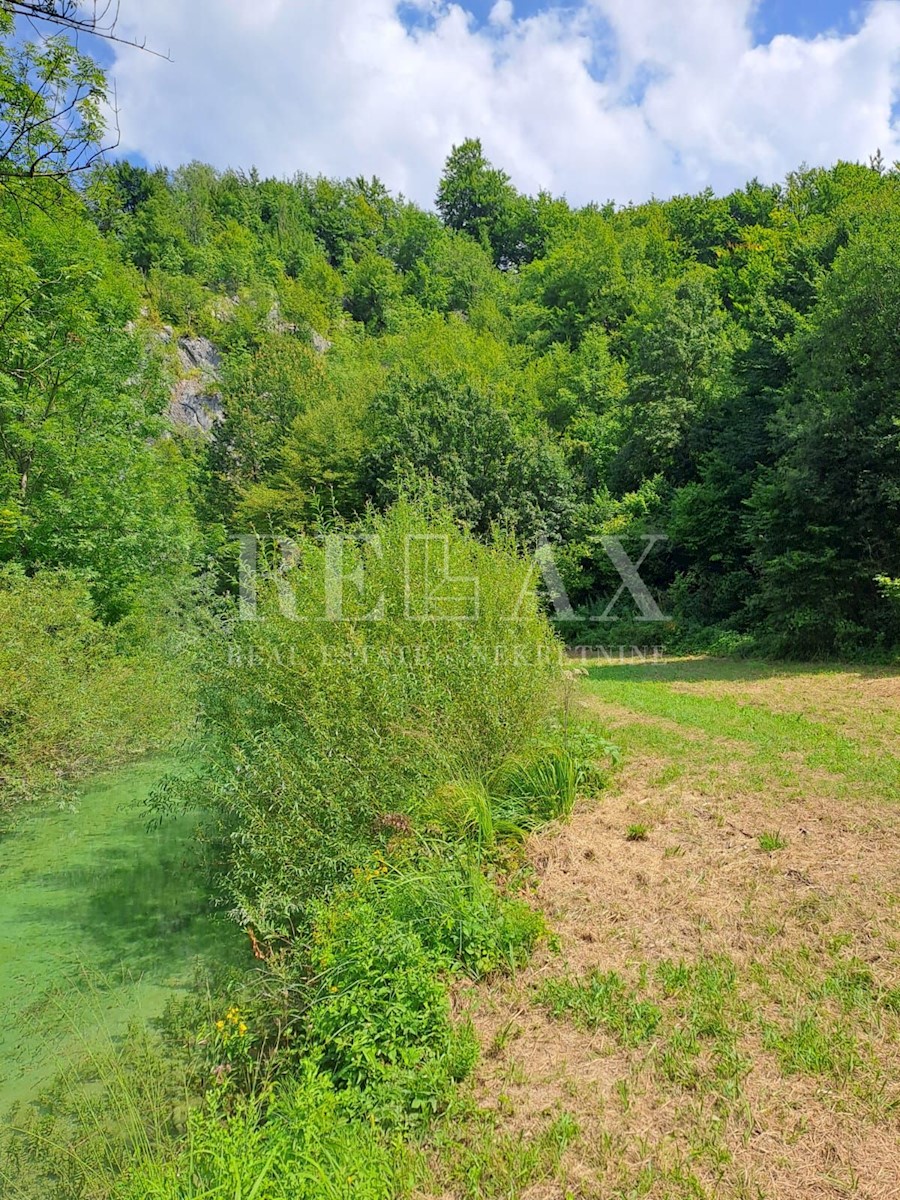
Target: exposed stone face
<point x="196" y="401"/>
<point x="199" y="354"/>
<point x="277" y="324"/>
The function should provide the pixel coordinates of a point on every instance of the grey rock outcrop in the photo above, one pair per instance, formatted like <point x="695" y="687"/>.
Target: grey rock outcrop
<point x="196" y="401"/>
<point x="276" y="323"/>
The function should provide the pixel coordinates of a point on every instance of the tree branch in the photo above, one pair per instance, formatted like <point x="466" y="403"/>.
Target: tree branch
<point x="101" y="22"/>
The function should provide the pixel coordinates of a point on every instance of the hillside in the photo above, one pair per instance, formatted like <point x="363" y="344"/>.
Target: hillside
<point x="448" y="666"/>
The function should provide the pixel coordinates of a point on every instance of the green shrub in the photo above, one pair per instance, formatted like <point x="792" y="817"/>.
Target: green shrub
<point x="319" y="729"/>
<point x="379" y="1021"/>
<point x="528" y="789"/>
<point x="181" y="299"/>
<point x="298" y="1142"/>
<point x="75" y="694"/>
<point x="460" y="915"/>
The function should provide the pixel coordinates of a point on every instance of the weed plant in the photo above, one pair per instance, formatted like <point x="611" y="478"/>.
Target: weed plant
<point x="371" y="782"/>
<point x="324" y="734"/>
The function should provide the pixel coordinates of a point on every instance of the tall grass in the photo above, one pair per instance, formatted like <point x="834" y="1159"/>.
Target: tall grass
<point x="297" y="1143"/>
<point x="104" y="1110"/>
<point x="318" y="729"/>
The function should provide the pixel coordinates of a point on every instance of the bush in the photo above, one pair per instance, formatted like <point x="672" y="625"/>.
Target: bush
<point x="75" y="694"/>
<point x="297" y="1142"/>
<point x="319" y="729"/>
<point x="459" y="914"/>
<point x="181" y="299"/>
<point x="379" y="1022"/>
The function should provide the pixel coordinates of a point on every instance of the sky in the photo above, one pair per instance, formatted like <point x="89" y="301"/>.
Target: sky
<point x="591" y="99"/>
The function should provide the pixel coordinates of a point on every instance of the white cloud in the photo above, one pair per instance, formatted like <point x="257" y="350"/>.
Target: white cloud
<point x="610" y="99"/>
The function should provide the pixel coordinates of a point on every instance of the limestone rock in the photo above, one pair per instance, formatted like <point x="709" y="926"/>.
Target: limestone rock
<point x="196" y="401"/>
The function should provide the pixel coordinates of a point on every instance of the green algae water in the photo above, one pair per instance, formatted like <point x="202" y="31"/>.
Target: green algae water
<point x="102" y="920"/>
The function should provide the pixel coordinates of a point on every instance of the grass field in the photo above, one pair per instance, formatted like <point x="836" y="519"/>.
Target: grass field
<point x="718" y="1014"/>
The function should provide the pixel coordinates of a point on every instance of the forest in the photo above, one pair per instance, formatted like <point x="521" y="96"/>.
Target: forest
<point x="715" y="370"/>
<point x="189" y="357"/>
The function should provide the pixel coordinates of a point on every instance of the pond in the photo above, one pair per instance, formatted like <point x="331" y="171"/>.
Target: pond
<point x="102" y="920"/>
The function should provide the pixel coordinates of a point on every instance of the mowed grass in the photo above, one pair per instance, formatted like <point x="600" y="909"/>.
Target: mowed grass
<point x="785" y="724"/>
<point x="719" y="1015"/>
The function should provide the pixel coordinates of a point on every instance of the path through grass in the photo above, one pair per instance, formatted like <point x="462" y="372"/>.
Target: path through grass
<point x="720" y="1013"/>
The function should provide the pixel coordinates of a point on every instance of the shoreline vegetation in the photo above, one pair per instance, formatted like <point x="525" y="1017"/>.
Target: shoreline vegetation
<point x="369" y="884"/>
<point x="78" y="696"/>
<point x="388" y="1038"/>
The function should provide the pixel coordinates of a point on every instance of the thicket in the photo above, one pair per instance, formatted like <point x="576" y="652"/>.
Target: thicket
<point x="99" y="541"/>
<point x="372" y="760"/>
<point x="75" y="693"/>
<point x="334" y="717"/>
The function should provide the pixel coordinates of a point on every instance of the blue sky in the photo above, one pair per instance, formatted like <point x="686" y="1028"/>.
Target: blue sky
<point x="806" y="18"/>
<point x="594" y="99"/>
<point x="800" y="18"/>
<point x="803" y="18"/>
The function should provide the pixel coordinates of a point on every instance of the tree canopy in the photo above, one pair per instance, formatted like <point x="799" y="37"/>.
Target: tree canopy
<point x="715" y="370"/>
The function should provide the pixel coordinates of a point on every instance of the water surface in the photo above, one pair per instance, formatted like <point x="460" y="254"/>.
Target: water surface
<point x="102" y="920"/>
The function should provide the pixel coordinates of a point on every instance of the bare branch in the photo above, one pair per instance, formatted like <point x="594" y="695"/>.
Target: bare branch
<point x="102" y="22"/>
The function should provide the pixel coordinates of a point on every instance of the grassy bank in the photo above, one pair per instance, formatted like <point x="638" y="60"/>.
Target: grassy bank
<point x="370" y="785"/>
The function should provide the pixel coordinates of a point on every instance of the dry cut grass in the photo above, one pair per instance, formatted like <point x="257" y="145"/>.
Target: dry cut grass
<point x="718" y="1014"/>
